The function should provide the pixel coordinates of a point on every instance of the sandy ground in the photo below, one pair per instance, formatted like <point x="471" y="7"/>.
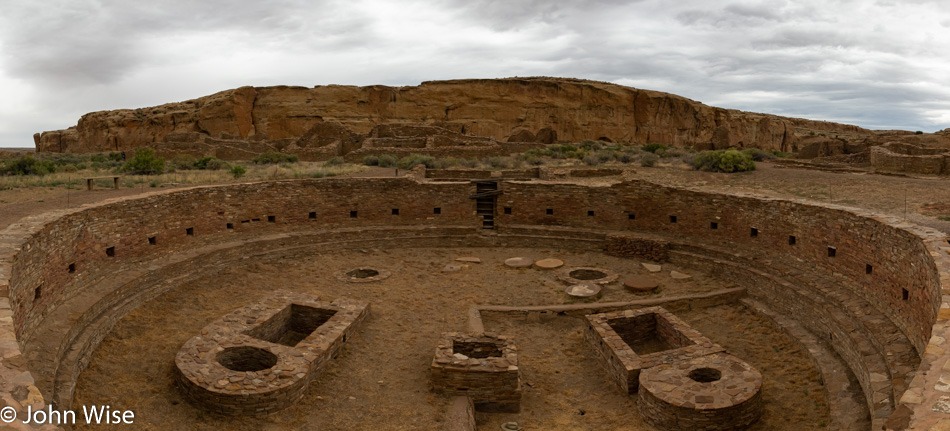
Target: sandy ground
<point x="381" y="380"/>
<point x="384" y="369"/>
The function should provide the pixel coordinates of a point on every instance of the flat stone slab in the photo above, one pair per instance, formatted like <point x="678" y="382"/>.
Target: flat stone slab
<point x="640" y="284"/>
<point x="549" y="263"/>
<point x="583" y="290"/>
<point x="468" y="259"/>
<point x="519" y="262"/>
<point x="651" y="267"/>
<point x="680" y="275"/>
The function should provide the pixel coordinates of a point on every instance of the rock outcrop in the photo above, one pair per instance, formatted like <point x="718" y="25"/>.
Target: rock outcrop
<point x="478" y="114"/>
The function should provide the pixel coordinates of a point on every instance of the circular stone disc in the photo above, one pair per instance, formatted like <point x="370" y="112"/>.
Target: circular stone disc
<point x="549" y="263"/>
<point x="582" y="290"/>
<point x="519" y="262"/>
<point x="638" y="283"/>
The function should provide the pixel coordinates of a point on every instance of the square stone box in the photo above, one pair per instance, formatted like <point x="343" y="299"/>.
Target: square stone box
<point x="628" y="341"/>
<point x="484" y="368"/>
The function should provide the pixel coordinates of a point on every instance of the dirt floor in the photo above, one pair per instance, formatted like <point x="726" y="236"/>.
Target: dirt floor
<point x="382" y="375"/>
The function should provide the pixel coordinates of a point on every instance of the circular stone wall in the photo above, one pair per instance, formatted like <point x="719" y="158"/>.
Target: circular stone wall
<point x="715" y="392"/>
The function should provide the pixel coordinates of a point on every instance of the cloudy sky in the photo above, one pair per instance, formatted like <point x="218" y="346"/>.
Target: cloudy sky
<point x="879" y="64"/>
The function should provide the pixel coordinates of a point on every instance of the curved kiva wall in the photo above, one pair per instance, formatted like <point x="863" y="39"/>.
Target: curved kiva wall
<point x="855" y="263"/>
<point x="898" y="157"/>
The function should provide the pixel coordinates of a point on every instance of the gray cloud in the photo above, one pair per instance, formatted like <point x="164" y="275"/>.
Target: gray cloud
<point x="874" y="64"/>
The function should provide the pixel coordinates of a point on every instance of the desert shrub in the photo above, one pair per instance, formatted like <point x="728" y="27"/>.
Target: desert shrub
<point x="445" y="162"/>
<point x="27" y="165"/>
<point x="334" y="161"/>
<point x="648" y="160"/>
<point x="183" y="162"/>
<point x="531" y="160"/>
<point x="626" y="157"/>
<point x="275" y="157"/>
<point x="591" y="160"/>
<point x="69" y="168"/>
<point x="387" y="160"/>
<point x="566" y="151"/>
<point x="919" y="132"/>
<point x="653" y="147"/>
<point x="757" y="154"/>
<point x="145" y="163"/>
<point x="415" y="159"/>
<point x="469" y="163"/>
<point x="211" y="163"/>
<point x="371" y="161"/>
<point x="498" y="162"/>
<point x="724" y="161"/>
<point x="238" y="171"/>
<point x="689" y="159"/>
<point x="673" y="152"/>
<point x="217" y="165"/>
<point x="590" y="145"/>
<point x="116" y="157"/>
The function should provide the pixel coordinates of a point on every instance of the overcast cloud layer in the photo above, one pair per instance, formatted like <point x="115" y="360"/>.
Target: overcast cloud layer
<point x="878" y="64"/>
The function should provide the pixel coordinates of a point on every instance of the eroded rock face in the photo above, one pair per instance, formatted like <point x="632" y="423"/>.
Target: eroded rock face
<point x="332" y="120"/>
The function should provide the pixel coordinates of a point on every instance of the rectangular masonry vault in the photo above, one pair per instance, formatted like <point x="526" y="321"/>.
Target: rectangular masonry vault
<point x="628" y="341"/>
<point x="484" y="368"/>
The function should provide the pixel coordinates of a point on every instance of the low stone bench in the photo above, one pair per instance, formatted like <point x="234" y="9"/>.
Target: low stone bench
<point x="91" y="181"/>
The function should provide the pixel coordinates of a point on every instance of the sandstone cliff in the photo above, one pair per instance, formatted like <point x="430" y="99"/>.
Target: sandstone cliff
<point x="326" y="121"/>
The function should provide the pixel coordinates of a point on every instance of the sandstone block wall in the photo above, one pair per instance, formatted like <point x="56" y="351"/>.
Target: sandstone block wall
<point x="898" y="258"/>
<point x="907" y="158"/>
<point x="50" y="259"/>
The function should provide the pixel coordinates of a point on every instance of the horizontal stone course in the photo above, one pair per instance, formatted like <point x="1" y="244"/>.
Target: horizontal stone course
<point x="906" y="285"/>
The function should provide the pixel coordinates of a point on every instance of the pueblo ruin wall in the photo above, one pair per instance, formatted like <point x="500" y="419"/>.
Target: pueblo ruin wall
<point x="872" y="285"/>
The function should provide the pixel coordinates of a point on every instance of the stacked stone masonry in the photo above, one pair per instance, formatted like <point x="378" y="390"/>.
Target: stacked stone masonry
<point x="261" y="358"/>
<point x="483" y="368"/>
<point x="895" y="270"/>
<point x="709" y="393"/>
<point x="660" y="336"/>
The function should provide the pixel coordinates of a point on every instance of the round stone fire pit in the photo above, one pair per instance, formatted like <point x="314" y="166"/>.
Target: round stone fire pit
<point x="715" y="392"/>
<point x="363" y="275"/>
<point x="587" y="275"/>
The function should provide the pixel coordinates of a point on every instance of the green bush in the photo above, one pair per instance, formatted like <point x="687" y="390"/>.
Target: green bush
<point x="27" y="165"/>
<point x="469" y="163"/>
<point x="724" y="161"/>
<point x="499" y="162"/>
<point x="919" y="132"/>
<point x="648" y="160"/>
<point x="238" y="171"/>
<point x="335" y="161"/>
<point x="387" y="161"/>
<point x="183" y="161"/>
<point x="414" y="159"/>
<point x="653" y="147"/>
<point x="217" y="164"/>
<point x="590" y="145"/>
<point x="115" y="157"/>
<point x="145" y="163"/>
<point x="275" y="157"/>
<point x="371" y="161"/>
<point x="757" y="154"/>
